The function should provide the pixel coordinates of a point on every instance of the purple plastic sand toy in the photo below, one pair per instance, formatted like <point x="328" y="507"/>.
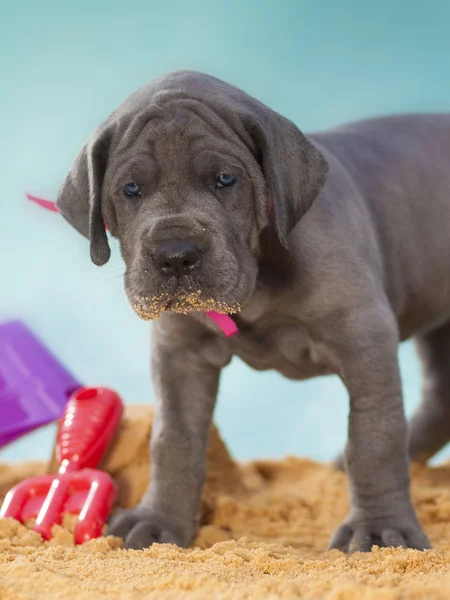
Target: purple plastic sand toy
<point x="34" y="386"/>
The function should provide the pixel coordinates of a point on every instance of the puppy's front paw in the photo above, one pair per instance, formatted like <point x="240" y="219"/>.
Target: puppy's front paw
<point x="360" y="535"/>
<point x="141" y="527"/>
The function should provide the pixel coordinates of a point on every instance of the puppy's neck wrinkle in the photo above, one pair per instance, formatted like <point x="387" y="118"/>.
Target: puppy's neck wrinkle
<point x="276" y="264"/>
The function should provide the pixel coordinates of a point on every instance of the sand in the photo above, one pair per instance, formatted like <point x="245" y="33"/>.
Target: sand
<point x="264" y="529"/>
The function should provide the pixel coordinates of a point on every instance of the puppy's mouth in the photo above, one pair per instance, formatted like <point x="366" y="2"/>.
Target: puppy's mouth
<point x="149" y="308"/>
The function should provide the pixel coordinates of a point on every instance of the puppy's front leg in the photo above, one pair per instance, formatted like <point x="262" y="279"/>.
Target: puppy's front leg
<point x="363" y="346"/>
<point x="186" y="365"/>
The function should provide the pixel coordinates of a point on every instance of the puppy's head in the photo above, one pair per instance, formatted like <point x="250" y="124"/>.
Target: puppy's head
<point x="185" y="174"/>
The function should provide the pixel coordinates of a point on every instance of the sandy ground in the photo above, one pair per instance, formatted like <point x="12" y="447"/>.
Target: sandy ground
<point x="264" y="529"/>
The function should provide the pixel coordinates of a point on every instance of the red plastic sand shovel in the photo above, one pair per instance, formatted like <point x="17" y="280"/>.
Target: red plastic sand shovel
<point x="89" y="422"/>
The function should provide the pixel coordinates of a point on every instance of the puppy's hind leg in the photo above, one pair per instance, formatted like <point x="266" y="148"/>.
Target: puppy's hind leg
<point x="429" y="428"/>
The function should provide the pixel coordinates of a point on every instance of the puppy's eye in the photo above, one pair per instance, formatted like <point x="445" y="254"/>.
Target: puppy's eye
<point x="132" y="189"/>
<point x="225" y="180"/>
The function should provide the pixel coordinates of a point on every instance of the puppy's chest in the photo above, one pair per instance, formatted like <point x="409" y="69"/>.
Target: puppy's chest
<point x="285" y="347"/>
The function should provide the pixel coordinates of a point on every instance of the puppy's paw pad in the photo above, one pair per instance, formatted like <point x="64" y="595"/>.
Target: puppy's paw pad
<point x="140" y="528"/>
<point x="360" y="537"/>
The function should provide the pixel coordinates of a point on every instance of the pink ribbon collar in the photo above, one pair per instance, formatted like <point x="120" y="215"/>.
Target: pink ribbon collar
<point x="226" y="323"/>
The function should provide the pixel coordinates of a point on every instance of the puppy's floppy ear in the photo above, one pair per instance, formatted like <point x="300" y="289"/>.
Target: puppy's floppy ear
<point x="295" y="170"/>
<point x="80" y="197"/>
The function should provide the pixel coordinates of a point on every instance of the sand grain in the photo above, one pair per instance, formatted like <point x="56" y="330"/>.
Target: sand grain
<point x="265" y="527"/>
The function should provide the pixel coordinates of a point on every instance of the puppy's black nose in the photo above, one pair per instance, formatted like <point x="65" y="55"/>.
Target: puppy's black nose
<point x="177" y="258"/>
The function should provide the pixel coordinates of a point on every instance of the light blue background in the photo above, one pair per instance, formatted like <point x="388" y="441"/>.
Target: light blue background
<point x="65" y="66"/>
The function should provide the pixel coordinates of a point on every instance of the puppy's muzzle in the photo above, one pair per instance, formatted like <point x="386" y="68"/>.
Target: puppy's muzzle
<point x="178" y="258"/>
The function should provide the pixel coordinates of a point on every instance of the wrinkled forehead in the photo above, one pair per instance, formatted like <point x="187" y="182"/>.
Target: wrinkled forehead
<point x="176" y="140"/>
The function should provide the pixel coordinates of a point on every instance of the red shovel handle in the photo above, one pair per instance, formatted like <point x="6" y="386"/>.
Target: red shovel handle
<point x="90" y="420"/>
<point x="89" y="423"/>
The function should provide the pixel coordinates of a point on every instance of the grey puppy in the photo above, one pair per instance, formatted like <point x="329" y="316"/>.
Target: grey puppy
<point x="327" y="249"/>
